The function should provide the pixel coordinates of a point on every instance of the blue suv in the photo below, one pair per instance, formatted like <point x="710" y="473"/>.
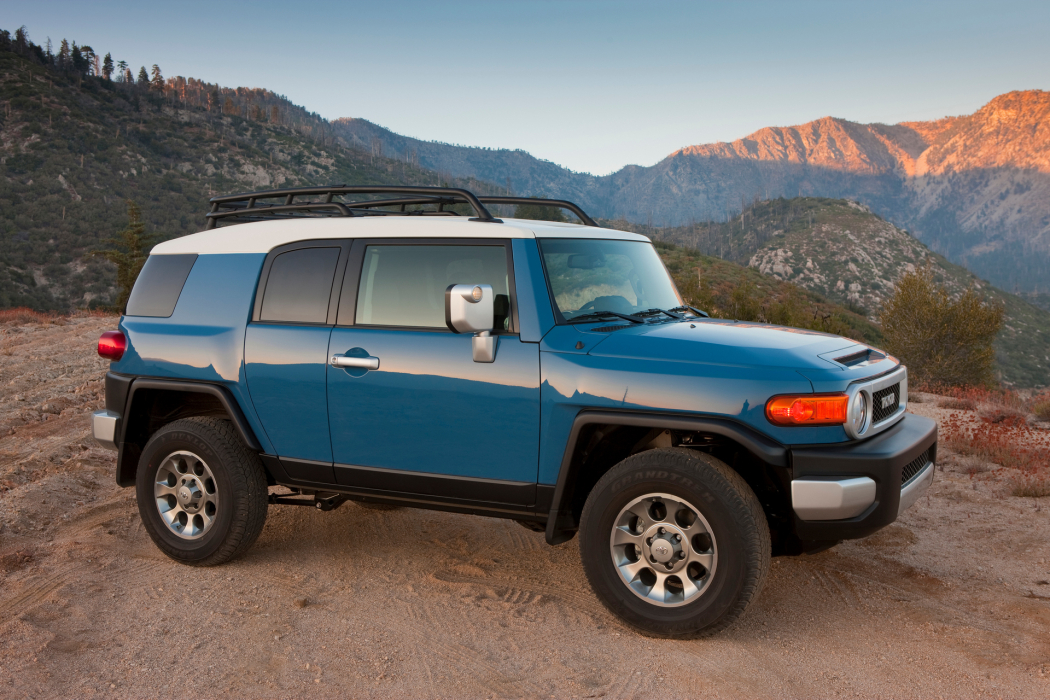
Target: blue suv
<point x="402" y="346"/>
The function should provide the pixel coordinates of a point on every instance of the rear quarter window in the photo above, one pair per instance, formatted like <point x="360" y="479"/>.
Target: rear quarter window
<point x="299" y="286"/>
<point x="159" y="285"/>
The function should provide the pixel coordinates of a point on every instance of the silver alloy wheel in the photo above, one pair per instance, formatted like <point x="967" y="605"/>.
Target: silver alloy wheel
<point x="663" y="549"/>
<point x="187" y="495"/>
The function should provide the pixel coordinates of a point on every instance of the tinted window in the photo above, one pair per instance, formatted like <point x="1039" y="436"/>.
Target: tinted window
<point x="404" y="285"/>
<point x="159" y="285"/>
<point x="299" y="286"/>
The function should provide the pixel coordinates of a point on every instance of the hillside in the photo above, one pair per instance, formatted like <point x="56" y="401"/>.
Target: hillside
<point x="842" y="251"/>
<point x="975" y="188"/>
<point x="74" y="148"/>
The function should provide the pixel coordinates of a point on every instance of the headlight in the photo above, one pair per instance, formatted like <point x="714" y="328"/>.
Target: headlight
<point x="858" y="413"/>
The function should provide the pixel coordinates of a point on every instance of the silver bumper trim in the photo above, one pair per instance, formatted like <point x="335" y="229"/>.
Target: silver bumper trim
<point x="911" y="491"/>
<point x="838" y="499"/>
<point x="104" y="428"/>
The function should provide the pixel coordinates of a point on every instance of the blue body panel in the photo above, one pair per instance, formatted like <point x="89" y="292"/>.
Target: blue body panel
<point x="203" y="339"/>
<point x="574" y="380"/>
<point x="285" y="368"/>
<point x="430" y="408"/>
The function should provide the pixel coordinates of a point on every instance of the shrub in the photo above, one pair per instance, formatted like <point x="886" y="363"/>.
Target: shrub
<point x="943" y="340"/>
<point x="23" y="316"/>
<point x="1041" y="408"/>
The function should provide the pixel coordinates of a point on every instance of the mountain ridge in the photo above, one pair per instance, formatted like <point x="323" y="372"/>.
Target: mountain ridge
<point x="975" y="188"/>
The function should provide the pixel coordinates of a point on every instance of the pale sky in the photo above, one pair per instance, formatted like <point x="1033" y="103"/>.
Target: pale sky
<point x="589" y="85"/>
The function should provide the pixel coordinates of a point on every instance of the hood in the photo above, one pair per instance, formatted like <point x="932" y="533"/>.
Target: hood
<point x="722" y="342"/>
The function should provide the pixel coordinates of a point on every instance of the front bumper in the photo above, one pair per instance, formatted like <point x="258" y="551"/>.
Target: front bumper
<point x="849" y="491"/>
<point x="105" y="427"/>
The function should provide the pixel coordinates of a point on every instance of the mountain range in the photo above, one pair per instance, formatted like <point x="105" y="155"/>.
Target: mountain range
<point x="975" y="188"/>
<point x="75" y="147"/>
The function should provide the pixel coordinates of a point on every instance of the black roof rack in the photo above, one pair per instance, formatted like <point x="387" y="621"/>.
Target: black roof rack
<point x="246" y="207"/>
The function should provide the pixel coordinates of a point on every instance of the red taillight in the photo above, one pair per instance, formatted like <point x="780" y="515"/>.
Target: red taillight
<point x="111" y="345"/>
<point x="827" y="409"/>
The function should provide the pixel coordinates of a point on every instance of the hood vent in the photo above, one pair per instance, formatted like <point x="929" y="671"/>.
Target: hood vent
<point x="867" y="356"/>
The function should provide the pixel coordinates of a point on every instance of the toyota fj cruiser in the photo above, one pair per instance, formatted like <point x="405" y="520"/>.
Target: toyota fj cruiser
<point x="403" y="346"/>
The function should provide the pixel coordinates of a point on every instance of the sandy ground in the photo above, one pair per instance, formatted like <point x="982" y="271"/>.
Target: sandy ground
<point x="951" y="601"/>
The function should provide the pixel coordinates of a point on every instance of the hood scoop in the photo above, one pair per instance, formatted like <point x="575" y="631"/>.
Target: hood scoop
<point x="857" y="358"/>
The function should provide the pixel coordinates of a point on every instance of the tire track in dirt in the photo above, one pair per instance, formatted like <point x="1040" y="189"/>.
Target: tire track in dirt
<point x="35" y="591"/>
<point x="525" y="589"/>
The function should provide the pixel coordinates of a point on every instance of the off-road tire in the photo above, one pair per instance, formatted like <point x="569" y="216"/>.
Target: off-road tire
<point x="240" y="481"/>
<point x="736" y="521"/>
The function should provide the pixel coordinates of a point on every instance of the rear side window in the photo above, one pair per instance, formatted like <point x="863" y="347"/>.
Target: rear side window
<point x="404" y="285"/>
<point x="299" y="286"/>
<point x="159" y="285"/>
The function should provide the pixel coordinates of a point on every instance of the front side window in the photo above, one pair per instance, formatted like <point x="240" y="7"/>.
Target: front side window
<point x="299" y="286"/>
<point x="589" y="276"/>
<point x="404" y="285"/>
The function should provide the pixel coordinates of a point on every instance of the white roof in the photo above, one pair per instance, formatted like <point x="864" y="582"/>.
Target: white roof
<point x="264" y="236"/>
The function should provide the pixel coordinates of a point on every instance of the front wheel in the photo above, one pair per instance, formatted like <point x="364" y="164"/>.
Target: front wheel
<point x="674" y="542"/>
<point x="201" y="492"/>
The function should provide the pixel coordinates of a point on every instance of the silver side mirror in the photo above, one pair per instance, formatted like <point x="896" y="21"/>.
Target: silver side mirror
<point x="470" y="308"/>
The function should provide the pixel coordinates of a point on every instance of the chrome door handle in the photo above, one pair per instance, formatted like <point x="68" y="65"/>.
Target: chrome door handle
<point x="356" y="362"/>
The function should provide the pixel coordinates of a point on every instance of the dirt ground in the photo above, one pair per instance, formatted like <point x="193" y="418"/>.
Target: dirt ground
<point x="951" y="601"/>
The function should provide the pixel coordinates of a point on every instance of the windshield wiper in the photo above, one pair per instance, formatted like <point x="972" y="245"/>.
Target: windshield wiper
<point x="599" y="315"/>
<point x="653" y="312"/>
<point x="695" y="310"/>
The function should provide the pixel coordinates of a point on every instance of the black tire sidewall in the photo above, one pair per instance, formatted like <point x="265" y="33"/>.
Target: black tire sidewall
<point x="697" y="485"/>
<point x="184" y="437"/>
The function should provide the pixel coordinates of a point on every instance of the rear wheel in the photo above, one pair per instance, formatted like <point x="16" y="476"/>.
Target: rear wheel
<point x="201" y="492"/>
<point x="675" y="543"/>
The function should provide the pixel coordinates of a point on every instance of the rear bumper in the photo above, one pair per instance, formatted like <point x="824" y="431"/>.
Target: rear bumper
<point x="849" y="491"/>
<point x="105" y="427"/>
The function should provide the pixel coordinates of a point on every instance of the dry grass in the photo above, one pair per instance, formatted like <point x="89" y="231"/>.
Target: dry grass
<point x="957" y="404"/>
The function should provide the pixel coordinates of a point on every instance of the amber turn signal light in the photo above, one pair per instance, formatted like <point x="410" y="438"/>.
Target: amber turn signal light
<point x="111" y="345"/>
<point x="811" y="409"/>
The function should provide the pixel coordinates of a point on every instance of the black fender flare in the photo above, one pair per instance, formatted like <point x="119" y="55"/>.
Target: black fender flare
<point x="560" y="524"/>
<point x="126" y="472"/>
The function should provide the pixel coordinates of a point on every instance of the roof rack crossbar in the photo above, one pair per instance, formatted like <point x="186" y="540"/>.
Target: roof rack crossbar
<point x="561" y="203"/>
<point x="267" y="209"/>
<point x="228" y="204"/>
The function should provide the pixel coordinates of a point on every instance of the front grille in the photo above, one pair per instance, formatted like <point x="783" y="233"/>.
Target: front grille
<point x="878" y="412"/>
<point x="915" y="466"/>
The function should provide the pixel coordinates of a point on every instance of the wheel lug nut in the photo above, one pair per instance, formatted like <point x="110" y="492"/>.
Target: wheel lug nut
<point x="661" y="531"/>
<point x="681" y="555"/>
<point x="649" y="540"/>
<point x="677" y="538"/>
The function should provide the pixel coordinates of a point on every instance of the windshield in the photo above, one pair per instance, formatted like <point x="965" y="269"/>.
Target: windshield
<point x="589" y="276"/>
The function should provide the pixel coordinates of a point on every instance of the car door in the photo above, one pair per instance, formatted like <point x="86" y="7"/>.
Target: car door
<point x="286" y="352"/>
<point x="421" y="416"/>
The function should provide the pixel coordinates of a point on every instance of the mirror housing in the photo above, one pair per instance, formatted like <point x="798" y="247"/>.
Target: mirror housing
<point x="469" y="308"/>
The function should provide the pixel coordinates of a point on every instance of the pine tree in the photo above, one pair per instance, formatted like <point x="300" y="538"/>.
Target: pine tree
<point x="22" y="40"/>
<point x="157" y="82"/>
<point x="143" y="80"/>
<point x="77" y="59"/>
<point x="63" y="55"/>
<point x="129" y="254"/>
<point x="107" y="67"/>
